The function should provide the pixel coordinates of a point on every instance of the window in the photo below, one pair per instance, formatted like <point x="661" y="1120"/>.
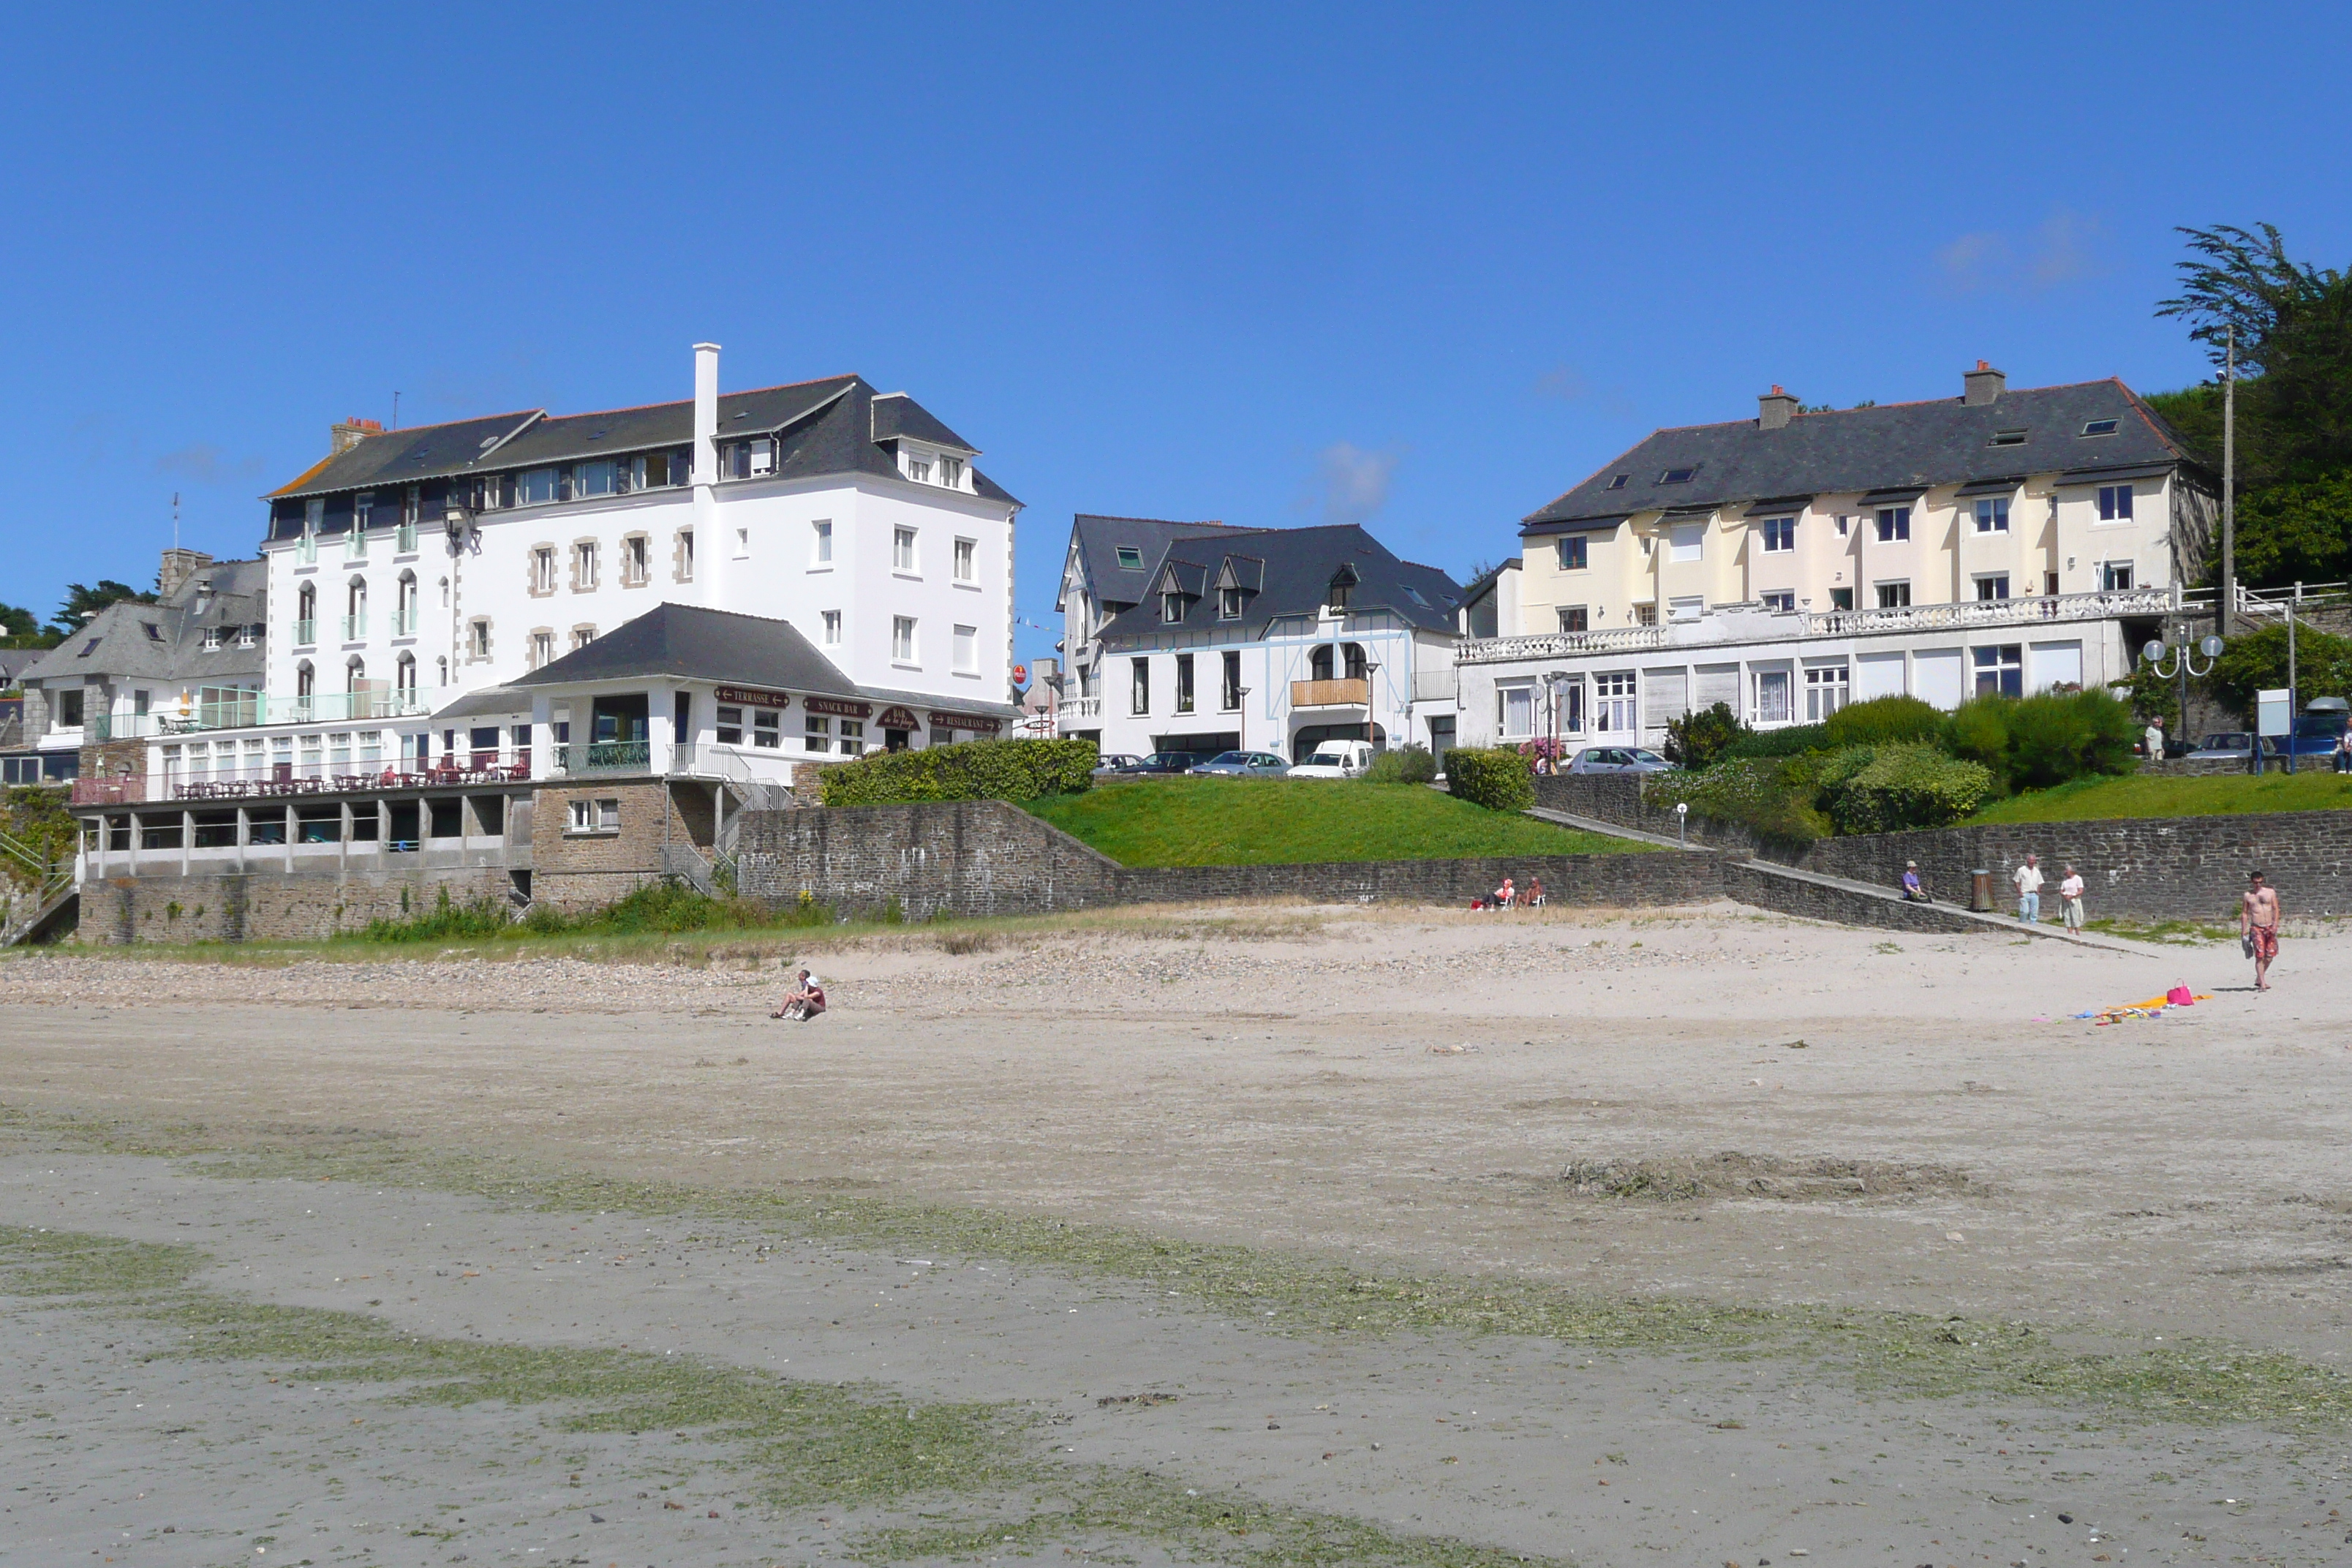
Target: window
<point x="636" y="561"/>
<point x="2050" y="584"/>
<point x="154" y="632"/>
<point x="597" y="478"/>
<point x="1678" y="476"/>
<point x="1686" y="542"/>
<point x="742" y="544"/>
<point x="1826" y="690"/>
<point x="1171" y="607"/>
<point x="69" y="709"/>
<point x="919" y="469"/>
<point x="594" y="816"/>
<point x="1894" y="523"/>
<point x="902" y="639"/>
<point x="768" y="728"/>
<point x="2000" y="670"/>
<point x="535" y="487"/>
<point x="1575" y="618"/>
<point x="1646" y="614"/>
<point x="2115" y="577"/>
<point x="1992" y="586"/>
<point x="305" y="615"/>
<point x="1686" y="607"/>
<point x="404" y="679"/>
<point x="1138" y="697"/>
<point x="951" y="472"/>
<point x="247" y="636"/>
<point x="902" y="550"/>
<point x="582" y="637"/>
<point x="1229" y="685"/>
<point x="404" y="606"/>
<point x="584" y="566"/>
<point x="853" y="737"/>
<point x="2115" y="503"/>
<point x="1844" y="525"/>
<point x="816" y="733"/>
<point x="1229" y="604"/>
<point x="967" y="561"/>
<point x="684" y="569"/>
<point x="729" y="726"/>
<point x="821" y="542"/>
<point x="1895" y="596"/>
<point x="1613" y="702"/>
<point x="1771" y="697"/>
<point x="1572" y="552"/>
<point x="967" y="650"/>
<point x="210" y="641"/>
<point x="1841" y="598"/>
<point x="2099" y="427"/>
<point x="1780" y="601"/>
<point x="1515" y="709"/>
<point x="1183" y="683"/>
<point x="1617" y="481"/>
<point x="1992" y="515"/>
<point x="1337" y="595"/>
<point x="477" y="639"/>
<point x="1130" y="558"/>
<point x="543" y="571"/>
<point x="1779" y="534"/>
<point x="833" y="629"/>
<point x="2009" y="438"/>
<point x="542" y="649"/>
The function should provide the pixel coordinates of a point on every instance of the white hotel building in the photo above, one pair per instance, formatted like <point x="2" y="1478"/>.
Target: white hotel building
<point x="1790" y="564"/>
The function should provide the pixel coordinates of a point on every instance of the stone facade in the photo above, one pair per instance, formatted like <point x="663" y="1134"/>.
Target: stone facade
<point x="574" y="869"/>
<point x="254" y="906"/>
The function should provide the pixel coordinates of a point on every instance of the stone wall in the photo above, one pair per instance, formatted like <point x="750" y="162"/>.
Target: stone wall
<point x="262" y="905"/>
<point x="584" y="870"/>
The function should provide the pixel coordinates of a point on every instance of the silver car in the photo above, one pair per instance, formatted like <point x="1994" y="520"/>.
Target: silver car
<point x="1617" y="760"/>
<point x="1244" y="765"/>
<point x="1116" y="763"/>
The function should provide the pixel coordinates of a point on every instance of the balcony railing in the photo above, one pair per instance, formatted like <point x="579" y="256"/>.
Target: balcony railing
<point x="355" y="544"/>
<point x="355" y="627"/>
<point x="404" y="542"/>
<point x="306" y="550"/>
<point x="256" y="709"/>
<point x="1989" y="613"/>
<point x="1558" y="645"/>
<point x="132" y="791"/>
<point x="605" y="757"/>
<point x="306" y="633"/>
<point x="1330" y="693"/>
<point x="404" y="623"/>
<point x="1074" y="707"/>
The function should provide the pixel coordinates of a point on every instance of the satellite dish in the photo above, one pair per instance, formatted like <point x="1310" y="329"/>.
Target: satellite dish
<point x="2211" y="647"/>
<point x="2153" y="651"/>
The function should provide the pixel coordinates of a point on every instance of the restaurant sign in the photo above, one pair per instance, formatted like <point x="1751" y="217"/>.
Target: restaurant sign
<point x="966" y="721"/>
<point x="844" y="706"/>
<point x="751" y="697"/>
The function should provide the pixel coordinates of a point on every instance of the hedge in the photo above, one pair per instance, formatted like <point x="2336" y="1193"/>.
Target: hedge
<point x="1903" y="787"/>
<point x="977" y="769"/>
<point x="1499" y="779"/>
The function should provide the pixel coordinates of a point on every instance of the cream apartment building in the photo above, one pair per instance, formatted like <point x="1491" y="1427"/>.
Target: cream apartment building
<point x="2001" y="540"/>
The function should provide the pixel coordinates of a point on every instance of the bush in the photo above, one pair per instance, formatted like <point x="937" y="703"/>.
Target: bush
<point x="1772" y="797"/>
<point x="1700" y="738"/>
<point x="2033" y="743"/>
<point x="1402" y="765"/>
<point x="1793" y="742"/>
<point x="977" y="769"/>
<point x="1884" y="720"/>
<point x="1887" y="789"/>
<point x="1499" y="778"/>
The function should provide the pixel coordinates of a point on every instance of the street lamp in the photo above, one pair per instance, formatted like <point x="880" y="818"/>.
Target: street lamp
<point x="1554" y="680"/>
<point x="1372" y="668"/>
<point x="2184" y="665"/>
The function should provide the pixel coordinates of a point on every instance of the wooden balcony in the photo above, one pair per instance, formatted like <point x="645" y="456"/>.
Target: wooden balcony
<point x="1330" y="693"/>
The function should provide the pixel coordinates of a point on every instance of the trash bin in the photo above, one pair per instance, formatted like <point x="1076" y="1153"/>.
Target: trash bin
<point x="1981" y="891"/>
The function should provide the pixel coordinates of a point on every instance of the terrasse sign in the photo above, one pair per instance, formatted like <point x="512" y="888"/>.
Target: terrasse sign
<point x="751" y="697"/>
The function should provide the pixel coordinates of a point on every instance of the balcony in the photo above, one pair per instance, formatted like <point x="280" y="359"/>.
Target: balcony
<point x="355" y="627"/>
<point x="404" y="542"/>
<point x="1559" y="645"/>
<point x="1075" y="708"/>
<point x="306" y="633"/>
<point x="2031" y="611"/>
<point x="132" y="791"/>
<point x="1354" y="693"/>
<point x="355" y="545"/>
<point x="404" y="623"/>
<point x="306" y="550"/>
<point x="588" y="757"/>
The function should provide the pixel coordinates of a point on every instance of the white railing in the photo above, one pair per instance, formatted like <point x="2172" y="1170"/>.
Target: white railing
<point x="757" y="792"/>
<point x="1558" y="645"/>
<point x="1989" y="613"/>
<point x="1079" y="708"/>
<point x="2272" y="603"/>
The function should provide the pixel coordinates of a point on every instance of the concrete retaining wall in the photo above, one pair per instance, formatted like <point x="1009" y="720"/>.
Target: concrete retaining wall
<point x="259" y="905"/>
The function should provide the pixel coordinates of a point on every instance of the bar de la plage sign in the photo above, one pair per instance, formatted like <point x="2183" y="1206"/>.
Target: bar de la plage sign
<point x="751" y="697"/>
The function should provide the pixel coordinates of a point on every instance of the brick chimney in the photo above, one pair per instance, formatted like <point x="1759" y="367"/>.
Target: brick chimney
<point x="342" y="438"/>
<point x="1775" y="409"/>
<point x="1982" y="387"/>
<point x="179" y="565"/>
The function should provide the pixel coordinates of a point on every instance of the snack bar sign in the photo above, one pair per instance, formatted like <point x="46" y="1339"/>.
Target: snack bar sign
<point x="843" y="706"/>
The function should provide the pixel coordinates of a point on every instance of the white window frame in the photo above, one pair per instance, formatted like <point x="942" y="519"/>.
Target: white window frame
<point x="1770" y="689"/>
<point x="821" y="544"/>
<point x="2110" y="569"/>
<point x="967" y="650"/>
<point x="1515" y="702"/>
<point x="1686" y="542"/>
<point x="1902" y="592"/>
<point x="1572" y="552"/>
<point x="1779" y="536"/>
<point x="904" y="558"/>
<point x="1828" y="688"/>
<point x="1894" y="525"/>
<point x="831" y="624"/>
<point x="1992" y="514"/>
<point x="967" y="560"/>
<point x="904" y="649"/>
<point x="1991" y="586"/>
<point x="2115" y="503"/>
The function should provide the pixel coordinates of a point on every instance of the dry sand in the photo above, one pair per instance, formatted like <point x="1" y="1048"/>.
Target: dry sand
<point x="1409" y="1091"/>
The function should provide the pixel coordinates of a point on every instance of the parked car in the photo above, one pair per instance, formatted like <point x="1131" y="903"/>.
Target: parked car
<point x="2322" y="724"/>
<point x="1244" y="765"/>
<point x="1337" y="760"/>
<point x="2231" y="746"/>
<point x="1166" y="762"/>
<point x="1115" y="762"/>
<point x="1617" y="760"/>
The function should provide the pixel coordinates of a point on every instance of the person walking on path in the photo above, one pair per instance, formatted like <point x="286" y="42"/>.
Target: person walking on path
<point x="2069" y="899"/>
<point x="2258" y="926"/>
<point x="2028" y="878"/>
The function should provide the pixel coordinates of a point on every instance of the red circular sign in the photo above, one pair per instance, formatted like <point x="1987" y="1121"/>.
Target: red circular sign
<point x="1020" y="672"/>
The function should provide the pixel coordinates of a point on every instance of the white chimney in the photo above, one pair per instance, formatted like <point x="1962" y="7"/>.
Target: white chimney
<point x="705" y="416"/>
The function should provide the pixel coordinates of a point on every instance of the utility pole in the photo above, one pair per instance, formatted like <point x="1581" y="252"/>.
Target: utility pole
<point x="2229" y="606"/>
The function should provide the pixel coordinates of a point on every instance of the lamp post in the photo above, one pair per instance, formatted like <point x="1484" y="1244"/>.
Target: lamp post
<point x="1372" y="668"/>
<point x="1554" y="682"/>
<point x="2183" y="665"/>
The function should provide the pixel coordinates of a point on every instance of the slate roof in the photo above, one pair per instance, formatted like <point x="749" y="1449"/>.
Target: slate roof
<point x="174" y="651"/>
<point x="700" y="644"/>
<point x="837" y="426"/>
<point x="1097" y="539"/>
<point x="1905" y="445"/>
<point x="1299" y="565"/>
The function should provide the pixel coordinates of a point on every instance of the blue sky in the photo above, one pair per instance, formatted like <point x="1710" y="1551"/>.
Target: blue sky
<point x="1421" y="268"/>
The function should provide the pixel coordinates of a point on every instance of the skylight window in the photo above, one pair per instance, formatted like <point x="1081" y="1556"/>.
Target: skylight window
<point x="2009" y="437"/>
<point x="2100" y="427"/>
<point x="1678" y="476"/>
<point x="1414" y="594"/>
<point x="1130" y="558"/>
<point x="1617" y="481"/>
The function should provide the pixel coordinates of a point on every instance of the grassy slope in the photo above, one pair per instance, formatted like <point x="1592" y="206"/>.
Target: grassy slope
<point x="2136" y="794"/>
<point x="1278" y="822"/>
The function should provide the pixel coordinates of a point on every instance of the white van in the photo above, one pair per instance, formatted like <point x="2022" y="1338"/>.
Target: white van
<point x="1337" y="760"/>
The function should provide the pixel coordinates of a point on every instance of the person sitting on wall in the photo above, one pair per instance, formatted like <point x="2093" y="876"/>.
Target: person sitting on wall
<point x="805" y="1001"/>
<point x="1912" y="891"/>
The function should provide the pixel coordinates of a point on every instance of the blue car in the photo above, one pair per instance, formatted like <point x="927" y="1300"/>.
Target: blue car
<point x="2321" y="728"/>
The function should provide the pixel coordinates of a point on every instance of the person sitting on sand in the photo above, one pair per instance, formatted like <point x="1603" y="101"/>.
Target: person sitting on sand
<point x="1506" y="896"/>
<point x="1535" y="898"/>
<point x="805" y="1000"/>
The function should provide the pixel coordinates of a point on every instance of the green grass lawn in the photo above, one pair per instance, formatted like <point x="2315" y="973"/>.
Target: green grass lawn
<point x="1281" y="822"/>
<point x="2148" y="795"/>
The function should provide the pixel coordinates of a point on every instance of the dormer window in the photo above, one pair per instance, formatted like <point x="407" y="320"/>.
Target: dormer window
<point x="1338" y="596"/>
<point x="1171" y="607"/>
<point x="212" y="640"/>
<point x="951" y="472"/>
<point x="1229" y="604"/>
<point x="918" y="468"/>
